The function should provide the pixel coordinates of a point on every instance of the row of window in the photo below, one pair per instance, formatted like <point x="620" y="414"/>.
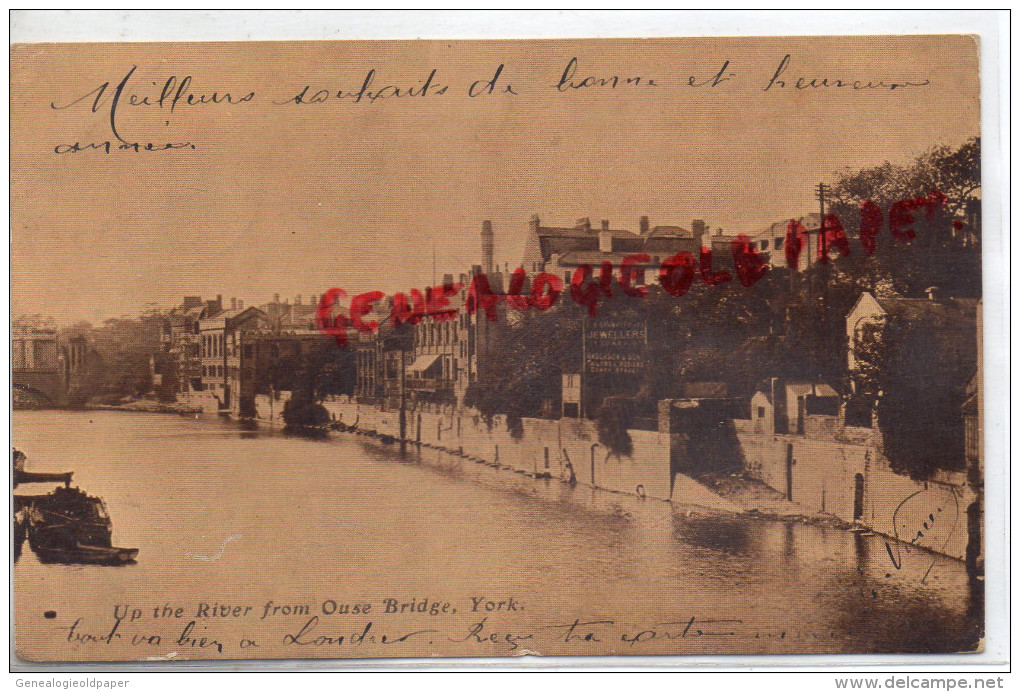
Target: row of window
<point x="433" y="332"/>
<point x="220" y="371"/>
<point x="212" y="345"/>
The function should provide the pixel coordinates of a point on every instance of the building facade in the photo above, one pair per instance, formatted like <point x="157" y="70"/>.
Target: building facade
<point x="227" y="348"/>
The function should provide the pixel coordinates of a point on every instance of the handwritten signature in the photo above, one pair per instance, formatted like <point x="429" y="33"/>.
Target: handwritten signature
<point x="927" y="519"/>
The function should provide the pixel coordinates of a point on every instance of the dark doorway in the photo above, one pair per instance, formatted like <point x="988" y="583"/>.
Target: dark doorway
<point x="858" y="496"/>
<point x="789" y="472"/>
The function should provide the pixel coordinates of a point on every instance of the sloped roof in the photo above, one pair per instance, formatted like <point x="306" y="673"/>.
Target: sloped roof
<point x="936" y="313"/>
<point x="594" y="258"/>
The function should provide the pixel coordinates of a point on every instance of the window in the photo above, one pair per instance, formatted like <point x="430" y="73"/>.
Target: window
<point x="761" y="411"/>
<point x="779" y="243"/>
<point x="764" y="245"/>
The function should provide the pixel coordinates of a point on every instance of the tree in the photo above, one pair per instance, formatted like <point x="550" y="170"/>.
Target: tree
<point x="917" y="387"/>
<point x="524" y="371"/>
<point x="303" y="410"/>
<point x="943" y="240"/>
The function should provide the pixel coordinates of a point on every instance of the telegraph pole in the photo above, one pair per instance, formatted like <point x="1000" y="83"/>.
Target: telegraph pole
<point x="822" y="247"/>
<point x="403" y="403"/>
<point x="822" y="189"/>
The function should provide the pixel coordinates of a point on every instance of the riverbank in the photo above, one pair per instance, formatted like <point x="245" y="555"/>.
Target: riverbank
<point x="732" y="493"/>
<point x="757" y="499"/>
<point x="143" y="406"/>
<point x="561" y="454"/>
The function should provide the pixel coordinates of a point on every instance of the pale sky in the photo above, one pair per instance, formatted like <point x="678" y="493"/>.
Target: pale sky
<point x="295" y="199"/>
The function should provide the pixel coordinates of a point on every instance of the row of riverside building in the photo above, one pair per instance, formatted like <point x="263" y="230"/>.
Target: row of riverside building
<point x="229" y="358"/>
<point x="221" y="355"/>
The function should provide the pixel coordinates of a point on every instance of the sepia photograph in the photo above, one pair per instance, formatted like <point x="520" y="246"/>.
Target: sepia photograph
<point x="415" y="349"/>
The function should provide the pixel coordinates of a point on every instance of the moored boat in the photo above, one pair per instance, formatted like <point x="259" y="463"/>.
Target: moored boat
<point x="64" y="526"/>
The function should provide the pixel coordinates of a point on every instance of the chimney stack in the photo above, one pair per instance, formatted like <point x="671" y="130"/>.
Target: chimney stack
<point x="276" y="297"/>
<point x="487" y="246"/>
<point x="233" y="303"/>
<point x="240" y="304"/>
<point x="605" y="238"/>
<point x="644" y="225"/>
<point x="447" y="279"/>
<point x="698" y="231"/>
<point x="297" y="299"/>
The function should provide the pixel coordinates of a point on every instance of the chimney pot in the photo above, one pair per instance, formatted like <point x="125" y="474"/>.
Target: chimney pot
<point x="233" y="303"/>
<point x="605" y="225"/>
<point x="644" y="225"/>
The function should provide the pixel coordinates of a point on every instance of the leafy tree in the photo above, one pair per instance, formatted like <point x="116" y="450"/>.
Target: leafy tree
<point x="918" y="386"/>
<point x="303" y="410"/>
<point x="615" y="416"/>
<point x="524" y="371"/>
<point x="942" y="238"/>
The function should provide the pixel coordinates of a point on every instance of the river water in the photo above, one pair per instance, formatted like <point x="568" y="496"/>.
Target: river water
<point x="224" y="514"/>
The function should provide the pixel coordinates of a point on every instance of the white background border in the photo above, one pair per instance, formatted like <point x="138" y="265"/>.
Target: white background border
<point x="27" y="26"/>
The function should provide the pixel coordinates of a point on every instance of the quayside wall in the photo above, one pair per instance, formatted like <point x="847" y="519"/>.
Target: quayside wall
<point x="564" y="449"/>
<point x="843" y="476"/>
<point x="850" y="479"/>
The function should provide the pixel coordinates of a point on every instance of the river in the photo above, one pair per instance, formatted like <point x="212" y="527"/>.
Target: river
<point x="227" y="514"/>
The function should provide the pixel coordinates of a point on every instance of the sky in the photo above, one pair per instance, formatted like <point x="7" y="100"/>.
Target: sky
<point x="280" y="197"/>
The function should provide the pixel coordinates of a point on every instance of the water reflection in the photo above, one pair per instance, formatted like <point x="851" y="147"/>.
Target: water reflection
<point x="350" y="517"/>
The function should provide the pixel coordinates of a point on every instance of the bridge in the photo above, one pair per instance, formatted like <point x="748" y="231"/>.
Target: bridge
<point x="39" y="374"/>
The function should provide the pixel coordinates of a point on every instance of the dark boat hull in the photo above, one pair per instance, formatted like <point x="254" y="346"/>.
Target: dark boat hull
<point x="86" y="555"/>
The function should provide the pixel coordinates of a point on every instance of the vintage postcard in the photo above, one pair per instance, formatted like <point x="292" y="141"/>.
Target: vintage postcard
<point x="412" y="349"/>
